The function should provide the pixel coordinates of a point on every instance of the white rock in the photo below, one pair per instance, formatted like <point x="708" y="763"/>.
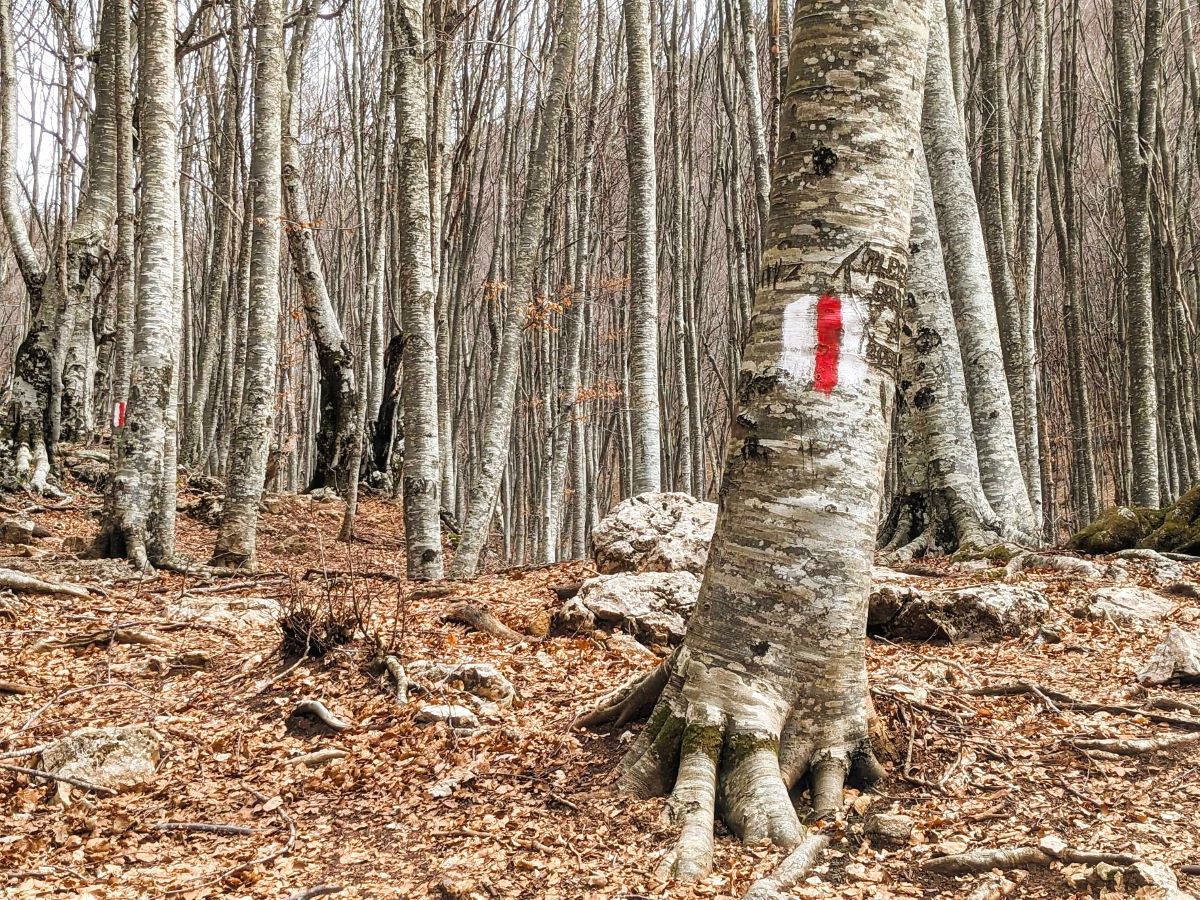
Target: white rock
<point x="483" y="680"/>
<point x="653" y="606"/>
<point x="985" y="612"/>
<point x="655" y="532"/>
<point x="1128" y="605"/>
<point x="1178" y="656"/>
<point x="120" y="757"/>
<point x="224" y="609"/>
<point x="1156" y="876"/>
<point x="448" y="714"/>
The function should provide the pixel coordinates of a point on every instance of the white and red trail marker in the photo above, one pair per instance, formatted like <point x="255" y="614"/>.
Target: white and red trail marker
<point x="119" y="414"/>
<point x="822" y="341"/>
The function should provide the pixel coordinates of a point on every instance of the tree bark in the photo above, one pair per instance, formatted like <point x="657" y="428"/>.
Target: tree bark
<point x="236" y="538"/>
<point x="485" y="489"/>
<point x="643" y="254"/>
<point x="770" y="682"/>
<point x="419" y="391"/>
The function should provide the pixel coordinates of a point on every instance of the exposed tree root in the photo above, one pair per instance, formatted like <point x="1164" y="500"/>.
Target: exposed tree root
<point x="1017" y="688"/>
<point x="1067" y="565"/>
<point x="1137" y="746"/>
<point x="789" y="872"/>
<point x="706" y="745"/>
<point x="18" y="581"/>
<point x="977" y="861"/>
<point x="994" y="888"/>
<point x="104" y="637"/>
<point x="319" y="711"/>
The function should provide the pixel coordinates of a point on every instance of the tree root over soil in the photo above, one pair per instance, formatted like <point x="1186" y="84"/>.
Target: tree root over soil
<point x="713" y="756"/>
<point x="789" y="872"/>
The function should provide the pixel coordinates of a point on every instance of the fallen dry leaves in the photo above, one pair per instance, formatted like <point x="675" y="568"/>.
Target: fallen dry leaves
<point x="524" y="807"/>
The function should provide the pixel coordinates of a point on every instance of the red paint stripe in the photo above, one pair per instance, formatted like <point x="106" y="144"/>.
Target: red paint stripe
<point x="829" y="343"/>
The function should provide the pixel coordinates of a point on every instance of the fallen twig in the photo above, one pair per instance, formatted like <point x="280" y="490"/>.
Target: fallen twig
<point x="103" y="637"/>
<point x="66" y="779"/>
<point x="28" y="751"/>
<point x="1017" y="688"/>
<point x="18" y="581"/>
<point x="481" y="619"/>
<point x="204" y="827"/>
<point x="1136" y="746"/>
<point x="321" y="890"/>
<point x="328" y="754"/>
<point x="984" y="860"/>
<point x="794" y="867"/>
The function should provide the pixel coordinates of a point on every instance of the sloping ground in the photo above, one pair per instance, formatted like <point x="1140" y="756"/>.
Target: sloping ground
<point x="524" y="805"/>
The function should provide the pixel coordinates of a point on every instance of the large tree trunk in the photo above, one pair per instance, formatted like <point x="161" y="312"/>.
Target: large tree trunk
<point x="971" y="289"/>
<point x="134" y="525"/>
<point x="498" y="428"/>
<point x="770" y="682"/>
<point x="252" y="436"/>
<point x="643" y="255"/>
<point x="419" y="391"/>
<point x="337" y="457"/>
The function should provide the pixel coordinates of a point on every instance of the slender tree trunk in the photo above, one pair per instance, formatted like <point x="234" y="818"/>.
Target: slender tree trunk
<point x="971" y="290"/>
<point x="498" y="428"/>
<point x="643" y="239"/>
<point x="422" y="475"/>
<point x="236" y="538"/>
<point x="337" y="461"/>
<point x="1137" y="105"/>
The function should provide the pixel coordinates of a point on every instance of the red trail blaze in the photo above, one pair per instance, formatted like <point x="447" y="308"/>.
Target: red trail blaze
<point x="829" y="343"/>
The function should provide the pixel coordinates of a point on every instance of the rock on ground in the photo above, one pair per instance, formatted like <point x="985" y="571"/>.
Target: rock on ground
<point x="1128" y="606"/>
<point x="655" y="532"/>
<point x="986" y="612"/>
<point x="1177" y="657"/>
<point x="451" y="714"/>
<point x="121" y="758"/>
<point x="483" y="680"/>
<point x="224" y="609"/>
<point x="652" y="606"/>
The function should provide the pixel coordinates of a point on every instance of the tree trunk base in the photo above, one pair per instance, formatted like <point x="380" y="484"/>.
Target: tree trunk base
<point x="707" y="753"/>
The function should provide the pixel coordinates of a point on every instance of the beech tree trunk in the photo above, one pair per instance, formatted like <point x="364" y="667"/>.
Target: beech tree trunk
<point x="419" y="392"/>
<point x="337" y="457"/>
<point x="139" y="518"/>
<point x="250" y="445"/>
<point x="493" y="454"/>
<point x="1137" y="105"/>
<point x="770" y="682"/>
<point x="971" y="289"/>
<point x="644" y="416"/>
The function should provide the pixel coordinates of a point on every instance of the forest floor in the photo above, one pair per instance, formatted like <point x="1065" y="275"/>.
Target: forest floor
<point x="525" y="806"/>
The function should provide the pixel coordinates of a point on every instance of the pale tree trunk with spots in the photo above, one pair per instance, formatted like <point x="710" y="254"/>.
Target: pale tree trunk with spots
<point x="940" y="506"/>
<point x="770" y="682"/>
<point x="419" y="392"/>
<point x="970" y="286"/>
<point x="139" y="517"/>
<point x="1137" y="102"/>
<point x="481" y="502"/>
<point x="643" y="254"/>
<point x="236" y="537"/>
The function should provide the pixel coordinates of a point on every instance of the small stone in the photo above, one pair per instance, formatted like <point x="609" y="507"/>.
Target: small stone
<point x="483" y="680"/>
<point x="574" y="618"/>
<point x="1048" y="635"/>
<point x="889" y="829"/>
<point x="224" y="609"/>
<point x="984" y="612"/>
<point x="20" y="530"/>
<point x="1052" y="845"/>
<point x="457" y="717"/>
<point x="1155" y="875"/>
<point x="653" y="606"/>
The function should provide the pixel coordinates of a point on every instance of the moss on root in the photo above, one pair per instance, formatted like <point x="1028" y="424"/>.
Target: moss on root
<point x="1179" y="528"/>
<point x="740" y="746"/>
<point x="998" y="554"/>
<point x="1117" y="528"/>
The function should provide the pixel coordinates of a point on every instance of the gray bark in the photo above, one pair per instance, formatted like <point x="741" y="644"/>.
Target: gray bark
<point x="236" y="538"/>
